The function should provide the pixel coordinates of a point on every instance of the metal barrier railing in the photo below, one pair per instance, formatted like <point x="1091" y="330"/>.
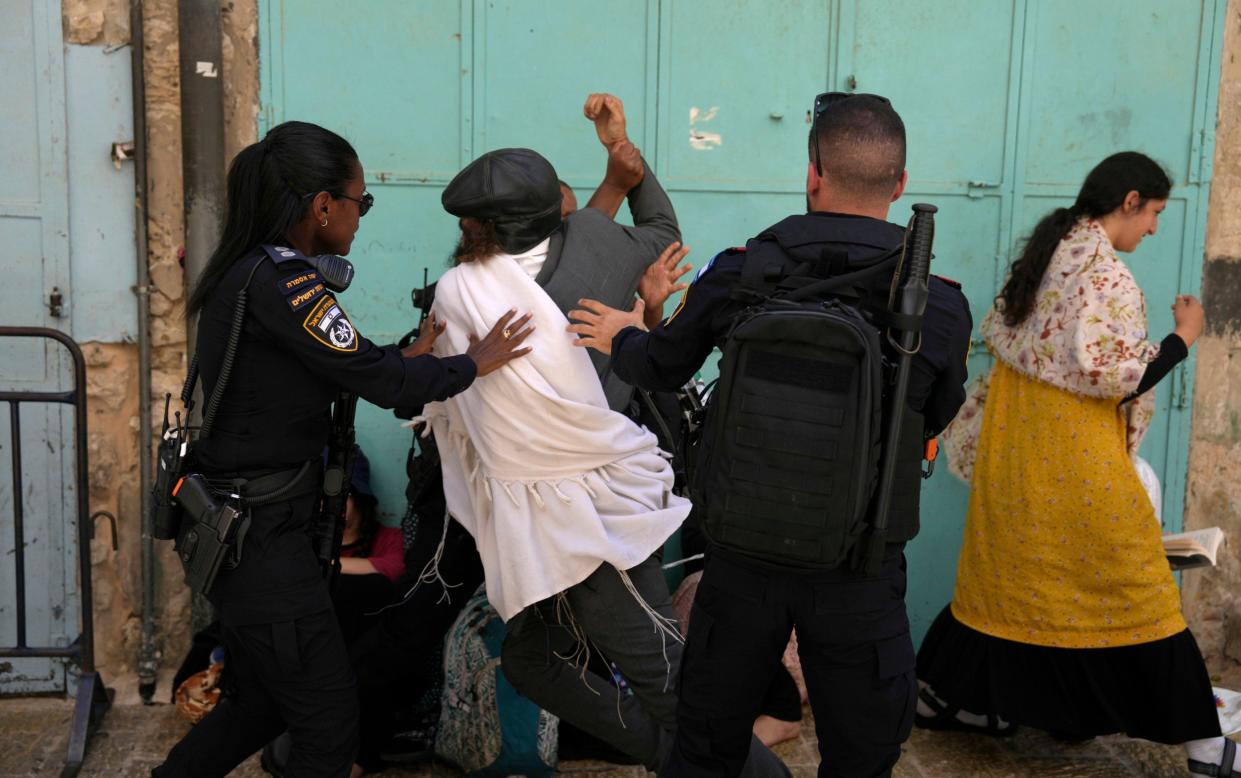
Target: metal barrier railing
<point x="93" y="699"/>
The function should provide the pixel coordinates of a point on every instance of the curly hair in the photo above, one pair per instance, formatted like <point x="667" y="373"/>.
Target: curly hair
<point x="478" y="241"/>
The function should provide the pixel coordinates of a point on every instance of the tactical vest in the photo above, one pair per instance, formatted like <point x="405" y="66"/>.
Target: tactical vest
<point x="789" y="460"/>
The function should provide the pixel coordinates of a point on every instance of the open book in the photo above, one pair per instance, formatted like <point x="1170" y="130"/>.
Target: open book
<point x="1193" y="549"/>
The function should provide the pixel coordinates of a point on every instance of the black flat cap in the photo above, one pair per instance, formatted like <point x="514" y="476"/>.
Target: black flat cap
<point x="516" y="189"/>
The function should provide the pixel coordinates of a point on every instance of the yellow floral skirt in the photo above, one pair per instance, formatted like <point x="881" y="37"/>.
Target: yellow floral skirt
<point x="1061" y="544"/>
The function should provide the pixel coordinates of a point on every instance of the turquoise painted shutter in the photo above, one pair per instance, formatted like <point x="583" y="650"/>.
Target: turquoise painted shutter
<point x="34" y="230"/>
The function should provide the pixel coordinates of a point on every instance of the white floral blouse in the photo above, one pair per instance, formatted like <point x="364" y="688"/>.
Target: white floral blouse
<point x="1087" y="335"/>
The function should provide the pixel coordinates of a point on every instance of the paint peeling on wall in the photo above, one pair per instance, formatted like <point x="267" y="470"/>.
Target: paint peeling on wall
<point x="97" y="22"/>
<point x="700" y="140"/>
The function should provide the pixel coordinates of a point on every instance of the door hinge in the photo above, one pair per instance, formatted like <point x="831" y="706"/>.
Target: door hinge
<point x="1197" y="144"/>
<point x="56" y="303"/>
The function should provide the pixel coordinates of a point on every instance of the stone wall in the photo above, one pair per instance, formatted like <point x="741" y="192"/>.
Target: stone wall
<point x="1213" y="597"/>
<point x="112" y="369"/>
<point x="96" y="22"/>
<point x="112" y="412"/>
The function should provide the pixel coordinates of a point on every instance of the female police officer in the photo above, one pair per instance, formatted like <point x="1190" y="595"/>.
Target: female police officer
<point x="298" y="193"/>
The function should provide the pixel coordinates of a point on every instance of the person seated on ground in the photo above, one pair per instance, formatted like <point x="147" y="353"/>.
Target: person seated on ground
<point x="569" y="502"/>
<point x="372" y="556"/>
<point x="400" y="658"/>
<point x="1066" y="616"/>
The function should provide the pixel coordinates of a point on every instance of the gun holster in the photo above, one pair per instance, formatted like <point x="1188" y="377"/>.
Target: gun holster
<point x="212" y="527"/>
<point x="214" y="522"/>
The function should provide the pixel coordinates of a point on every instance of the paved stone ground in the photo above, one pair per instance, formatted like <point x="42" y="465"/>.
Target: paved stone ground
<point x="134" y="738"/>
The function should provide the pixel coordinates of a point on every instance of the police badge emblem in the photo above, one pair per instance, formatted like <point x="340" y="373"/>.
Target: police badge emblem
<point x="328" y="324"/>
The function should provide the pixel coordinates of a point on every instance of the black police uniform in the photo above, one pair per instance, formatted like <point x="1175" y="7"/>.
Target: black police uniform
<point x="286" y="658"/>
<point x="853" y="632"/>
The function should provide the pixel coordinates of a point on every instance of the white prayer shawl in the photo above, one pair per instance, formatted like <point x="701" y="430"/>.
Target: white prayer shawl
<point x="548" y="480"/>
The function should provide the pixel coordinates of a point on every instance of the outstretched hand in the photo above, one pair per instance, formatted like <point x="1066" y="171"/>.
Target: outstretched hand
<point x="662" y="279"/>
<point x="431" y="329"/>
<point x="500" y="346"/>
<point x="608" y="113"/>
<point x="597" y="323"/>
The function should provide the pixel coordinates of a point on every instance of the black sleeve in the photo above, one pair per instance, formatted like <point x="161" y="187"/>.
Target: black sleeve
<point x="315" y="329"/>
<point x="946" y="343"/>
<point x="669" y="355"/>
<point x="1172" y="351"/>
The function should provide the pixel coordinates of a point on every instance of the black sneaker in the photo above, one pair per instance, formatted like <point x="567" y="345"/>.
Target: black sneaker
<point x="410" y="746"/>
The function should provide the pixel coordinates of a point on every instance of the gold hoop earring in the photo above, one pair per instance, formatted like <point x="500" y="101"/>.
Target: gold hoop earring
<point x="323" y="223"/>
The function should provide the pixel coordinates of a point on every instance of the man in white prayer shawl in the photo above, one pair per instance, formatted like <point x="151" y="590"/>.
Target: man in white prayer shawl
<point x="569" y="502"/>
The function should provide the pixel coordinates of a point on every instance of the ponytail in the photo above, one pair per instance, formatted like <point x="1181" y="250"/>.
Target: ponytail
<point x="269" y="184"/>
<point x="1026" y="274"/>
<point x="1103" y="191"/>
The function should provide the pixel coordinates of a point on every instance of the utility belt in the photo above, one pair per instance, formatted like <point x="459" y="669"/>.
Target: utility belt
<point x="216" y="515"/>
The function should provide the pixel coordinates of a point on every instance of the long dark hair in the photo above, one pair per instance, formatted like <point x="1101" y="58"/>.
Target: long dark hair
<point x="1103" y="191"/>
<point x="268" y="187"/>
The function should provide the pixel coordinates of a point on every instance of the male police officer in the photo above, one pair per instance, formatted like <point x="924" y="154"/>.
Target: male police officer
<point x="852" y="630"/>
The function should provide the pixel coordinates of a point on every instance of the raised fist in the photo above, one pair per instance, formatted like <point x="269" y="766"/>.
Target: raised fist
<point x="608" y="113"/>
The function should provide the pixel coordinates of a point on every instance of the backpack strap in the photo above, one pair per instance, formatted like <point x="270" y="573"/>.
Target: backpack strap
<point x="769" y="272"/>
<point x="885" y="265"/>
<point x="762" y="272"/>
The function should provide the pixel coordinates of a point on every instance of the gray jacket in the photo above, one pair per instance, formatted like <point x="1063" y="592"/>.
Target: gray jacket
<point x="591" y="256"/>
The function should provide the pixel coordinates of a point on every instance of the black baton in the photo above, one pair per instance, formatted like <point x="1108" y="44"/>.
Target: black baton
<point x="911" y="287"/>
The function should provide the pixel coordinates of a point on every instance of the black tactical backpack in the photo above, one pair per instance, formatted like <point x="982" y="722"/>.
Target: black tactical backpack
<point x="790" y="453"/>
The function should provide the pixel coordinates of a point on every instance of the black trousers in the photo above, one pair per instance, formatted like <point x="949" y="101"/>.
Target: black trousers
<point x="289" y="675"/>
<point x="856" y="654"/>
<point x="539" y="642"/>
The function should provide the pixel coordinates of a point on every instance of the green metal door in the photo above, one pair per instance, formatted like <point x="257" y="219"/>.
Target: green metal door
<point x="1007" y="104"/>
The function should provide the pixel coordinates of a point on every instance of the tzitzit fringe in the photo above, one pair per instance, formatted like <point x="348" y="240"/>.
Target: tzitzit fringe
<point x="430" y="574"/>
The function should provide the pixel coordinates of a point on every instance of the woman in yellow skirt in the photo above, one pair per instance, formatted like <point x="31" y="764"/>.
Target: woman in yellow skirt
<point x="1066" y="616"/>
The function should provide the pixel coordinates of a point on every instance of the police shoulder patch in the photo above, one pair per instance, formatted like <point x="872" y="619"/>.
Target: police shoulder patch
<point x="306" y="295"/>
<point x="702" y="271"/>
<point x="328" y="324"/>
<point x="298" y="281"/>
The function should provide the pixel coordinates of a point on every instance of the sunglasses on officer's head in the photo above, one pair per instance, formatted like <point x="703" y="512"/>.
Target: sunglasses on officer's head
<point x="821" y="103"/>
